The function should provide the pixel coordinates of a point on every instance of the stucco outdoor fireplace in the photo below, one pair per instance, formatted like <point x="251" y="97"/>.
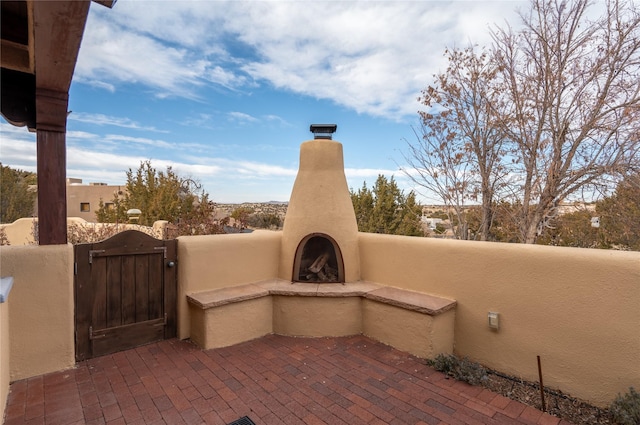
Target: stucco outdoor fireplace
<point x="320" y="234"/>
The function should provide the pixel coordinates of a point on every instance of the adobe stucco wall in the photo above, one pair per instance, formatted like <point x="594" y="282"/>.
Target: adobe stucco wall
<point x="232" y="323"/>
<point x="218" y="261"/>
<point x="41" y="314"/>
<point x="4" y="356"/>
<point x="576" y="308"/>
<point x="20" y="232"/>
<point x="317" y="316"/>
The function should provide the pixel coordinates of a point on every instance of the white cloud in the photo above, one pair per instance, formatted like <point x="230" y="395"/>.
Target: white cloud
<point x="352" y="173"/>
<point x="250" y="180"/>
<point x="101" y="119"/>
<point x="10" y="131"/>
<point x="81" y="135"/>
<point x="18" y="147"/>
<point x="139" y="141"/>
<point x="113" y="54"/>
<point x="94" y="83"/>
<point x="241" y="117"/>
<point x="371" y="57"/>
<point x="279" y="120"/>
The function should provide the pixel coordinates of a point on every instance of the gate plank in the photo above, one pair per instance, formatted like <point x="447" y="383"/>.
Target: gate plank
<point x="156" y="286"/>
<point x="128" y="290"/>
<point x="120" y="338"/>
<point x="98" y="279"/>
<point x="114" y="292"/>
<point x="142" y="288"/>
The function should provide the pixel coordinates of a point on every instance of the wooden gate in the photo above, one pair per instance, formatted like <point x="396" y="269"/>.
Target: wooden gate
<point x="125" y="293"/>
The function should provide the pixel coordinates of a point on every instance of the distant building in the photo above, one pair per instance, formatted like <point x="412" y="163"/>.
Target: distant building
<point x="432" y="223"/>
<point x="572" y="207"/>
<point x="83" y="200"/>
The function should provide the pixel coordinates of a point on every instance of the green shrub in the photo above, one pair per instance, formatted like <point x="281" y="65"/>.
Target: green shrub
<point x="459" y="369"/>
<point x="445" y="363"/>
<point x="625" y="409"/>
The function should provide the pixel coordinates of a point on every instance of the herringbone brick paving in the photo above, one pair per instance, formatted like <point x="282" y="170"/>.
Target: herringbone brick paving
<point x="272" y="380"/>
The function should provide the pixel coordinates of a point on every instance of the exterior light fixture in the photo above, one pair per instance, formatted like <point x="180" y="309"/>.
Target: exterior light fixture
<point x="494" y="320"/>
<point x="323" y="131"/>
<point x="134" y="214"/>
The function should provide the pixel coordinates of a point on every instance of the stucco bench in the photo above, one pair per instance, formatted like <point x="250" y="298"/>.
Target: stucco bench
<point x="415" y="322"/>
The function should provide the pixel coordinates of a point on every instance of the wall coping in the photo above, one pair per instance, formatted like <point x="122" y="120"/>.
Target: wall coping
<point x="403" y="298"/>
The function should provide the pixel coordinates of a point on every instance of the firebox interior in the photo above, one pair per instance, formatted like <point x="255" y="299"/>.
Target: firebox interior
<point x="318" y="260"/>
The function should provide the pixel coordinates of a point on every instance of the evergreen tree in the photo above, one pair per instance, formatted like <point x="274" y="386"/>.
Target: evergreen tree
<point x="620" y="215"/>
<point x="162" y="196"/>
<point x="386" y="209"/>
<point x="572" y="229"/>
<point x="16" y="198"/>
<point x="241" y="216"/>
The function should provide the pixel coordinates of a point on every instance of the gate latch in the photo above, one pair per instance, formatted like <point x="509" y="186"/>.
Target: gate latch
<point x="164" y="250"/>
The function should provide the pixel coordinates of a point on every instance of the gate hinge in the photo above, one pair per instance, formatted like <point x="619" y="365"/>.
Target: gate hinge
<point x="75" y="268"/>
<point x="95" y="336"/>
<point x="92" y="253"/>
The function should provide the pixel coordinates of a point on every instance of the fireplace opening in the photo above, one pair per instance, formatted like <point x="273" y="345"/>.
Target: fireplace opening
<point x="318" y="260"/>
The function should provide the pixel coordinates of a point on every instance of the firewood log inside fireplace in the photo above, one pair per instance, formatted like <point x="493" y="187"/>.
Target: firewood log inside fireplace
<point x="321" y="271"/>
<point x="319" y="263"/>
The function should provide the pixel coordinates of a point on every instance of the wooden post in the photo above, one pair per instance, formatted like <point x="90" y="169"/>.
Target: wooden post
<point x="51" y="118"/>
<point x="52" y="188"/>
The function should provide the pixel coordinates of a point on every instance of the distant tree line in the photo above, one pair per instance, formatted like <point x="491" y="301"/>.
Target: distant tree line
<point x="245" y="217"/>
<point x="617" y="217"/>
<point x="383" y="208"/>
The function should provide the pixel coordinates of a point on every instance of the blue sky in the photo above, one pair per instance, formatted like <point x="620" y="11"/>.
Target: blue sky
<point x="224" y="92"/>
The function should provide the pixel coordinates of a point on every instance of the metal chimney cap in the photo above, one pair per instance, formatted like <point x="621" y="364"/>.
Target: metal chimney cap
<point x="323" y="131"/>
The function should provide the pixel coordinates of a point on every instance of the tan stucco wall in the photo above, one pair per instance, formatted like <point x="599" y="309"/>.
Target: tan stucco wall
<point x="232" y="323"/>
<point x="42" y="308"/>
<point x="4" y="356"/>
<point x="317" y="316"/>
<point x="419" y="334"/>
<point x="218" y="261"/>
<point x="576" y="308"/>
<point x="20" y="232"/>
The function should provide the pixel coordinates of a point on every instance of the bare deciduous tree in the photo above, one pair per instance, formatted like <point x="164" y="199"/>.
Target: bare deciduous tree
<point x="459" y="150"/>
<point x="573" y="85"/>
<point x="551" y="111"/>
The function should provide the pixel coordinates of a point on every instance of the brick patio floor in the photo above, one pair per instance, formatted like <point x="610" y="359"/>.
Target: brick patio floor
<point x="271" y="380"/>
